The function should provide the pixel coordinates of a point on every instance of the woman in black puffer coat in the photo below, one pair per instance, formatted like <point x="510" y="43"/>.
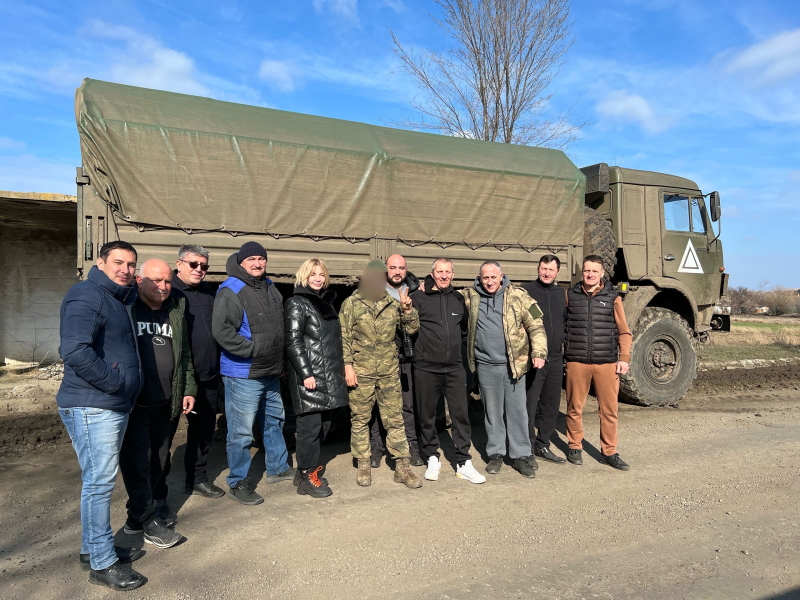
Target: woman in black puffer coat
<point x="316" y="370"/>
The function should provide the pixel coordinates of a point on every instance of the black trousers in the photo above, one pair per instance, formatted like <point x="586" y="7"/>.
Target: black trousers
<point x="429" y="388"/>
<point x="311" y="431"/>
<point x="377" y="434"/>
<point x="144" y="454"/>
<point x="199" y="433"/>
<point x="543" y="389"/>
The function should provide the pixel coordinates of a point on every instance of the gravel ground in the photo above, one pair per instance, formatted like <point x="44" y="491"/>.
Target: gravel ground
<point x="709" y="510"/>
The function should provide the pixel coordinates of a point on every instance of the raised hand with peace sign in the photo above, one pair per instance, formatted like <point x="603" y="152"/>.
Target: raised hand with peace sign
<point x="405" y="300"/>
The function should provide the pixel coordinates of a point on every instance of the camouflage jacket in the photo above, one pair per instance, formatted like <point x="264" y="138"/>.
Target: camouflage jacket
<point x="522" y="325"/>
<point x="368" y="334"/>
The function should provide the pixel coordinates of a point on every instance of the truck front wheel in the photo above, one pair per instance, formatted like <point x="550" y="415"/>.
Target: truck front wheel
<point x="663" y="359"/>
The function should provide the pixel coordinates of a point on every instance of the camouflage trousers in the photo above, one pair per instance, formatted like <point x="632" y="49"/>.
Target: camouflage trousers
<point x="386" y="392"/>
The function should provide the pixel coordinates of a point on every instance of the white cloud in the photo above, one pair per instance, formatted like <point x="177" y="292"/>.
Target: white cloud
<point x="9" y="144"/>
<point x="281" y="75"/>
<point x="622" y="106"/>
<point x="347" y="9"/>
<point x="145" y="62"/>
<point x="770" y="62"/>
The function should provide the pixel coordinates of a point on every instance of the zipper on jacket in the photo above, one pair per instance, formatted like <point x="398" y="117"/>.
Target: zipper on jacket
<point x="590" y="329"/>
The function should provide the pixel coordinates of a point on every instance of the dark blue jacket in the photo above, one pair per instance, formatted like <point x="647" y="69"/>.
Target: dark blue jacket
<point x="98" y="346"/>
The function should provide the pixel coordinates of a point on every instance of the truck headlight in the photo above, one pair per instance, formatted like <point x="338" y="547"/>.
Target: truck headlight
<point x="722" y="310"/>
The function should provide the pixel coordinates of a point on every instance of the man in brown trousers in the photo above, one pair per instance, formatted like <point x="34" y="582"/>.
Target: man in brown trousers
<point x="598" y="348"/>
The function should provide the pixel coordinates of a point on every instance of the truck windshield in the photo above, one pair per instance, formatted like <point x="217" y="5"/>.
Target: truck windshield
<point x="676" y="213"/>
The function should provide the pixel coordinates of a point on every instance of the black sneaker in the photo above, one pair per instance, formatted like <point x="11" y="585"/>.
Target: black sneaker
<point x="125" y="555"/>
<point x="575" y="456"/>
<point x="494" y="465"/>
<point x="157" y="533"/>
<point x="615" y="461"/>
<point x="132" y="527"/>
<point x="117" y="577"/>
<point x="205" y="489"/>
<point x="243" y="493"/>
<point x="312" y="484"/>
<point x="548" y="455"/>
<point x="532" y="462"/>
<point x="524" y="466"/>
<point x="287" y="475"/>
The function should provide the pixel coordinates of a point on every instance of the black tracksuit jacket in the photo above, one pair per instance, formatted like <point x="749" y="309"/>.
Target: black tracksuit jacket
<point x="443" y="321"/>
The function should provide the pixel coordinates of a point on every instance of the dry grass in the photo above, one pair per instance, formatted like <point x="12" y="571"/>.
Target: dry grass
<point x="752" y="338"/>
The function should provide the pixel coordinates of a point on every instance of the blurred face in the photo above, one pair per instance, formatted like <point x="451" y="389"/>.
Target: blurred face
<point x="190" y="268"/>
<point x="255" y="266"/>
<point x="155" y="283"/>
<point x="373" y="284"/>
<point x="316" y="281"/>
<point x="442" y="274"/>
<point x="396" y="270"/>
<point x="119" y="266"/>
<point x="491" y="278"/>
<point x="548" y="272"/>
<point x="593" y="273"/>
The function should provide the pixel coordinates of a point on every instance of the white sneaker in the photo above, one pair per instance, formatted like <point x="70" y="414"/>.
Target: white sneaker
<point x="434" y="466"/>
<point x="468" y="472"/>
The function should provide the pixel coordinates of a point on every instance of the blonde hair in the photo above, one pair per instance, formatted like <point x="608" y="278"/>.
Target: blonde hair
<point x="307" y="268"/>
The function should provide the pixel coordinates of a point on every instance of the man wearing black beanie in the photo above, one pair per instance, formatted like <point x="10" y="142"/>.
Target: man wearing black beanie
<point x="248" y="326"/>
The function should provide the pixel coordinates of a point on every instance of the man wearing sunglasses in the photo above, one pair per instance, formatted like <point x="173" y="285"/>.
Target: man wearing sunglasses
<point x="188" y="282"/>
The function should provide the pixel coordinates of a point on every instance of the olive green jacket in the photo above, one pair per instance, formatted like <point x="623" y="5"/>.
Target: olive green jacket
<point x="522" y="325"/>
<point x="368" y="334"/>
<point x="183" y="379"/>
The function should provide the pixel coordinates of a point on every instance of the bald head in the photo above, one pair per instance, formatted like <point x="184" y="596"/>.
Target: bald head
<point x="396" y="270"/>
<point x="155" y="282"/>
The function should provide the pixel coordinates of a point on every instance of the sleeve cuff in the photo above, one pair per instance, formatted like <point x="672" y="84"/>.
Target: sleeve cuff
<point x="625" y="358"/>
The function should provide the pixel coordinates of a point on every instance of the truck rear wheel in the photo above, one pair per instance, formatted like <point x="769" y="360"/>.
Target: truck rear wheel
<point x="663" y="359"/>
<point x="598" y="238"/>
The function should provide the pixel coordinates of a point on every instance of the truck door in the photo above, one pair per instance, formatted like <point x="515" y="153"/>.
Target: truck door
<point x="685" y="251"/>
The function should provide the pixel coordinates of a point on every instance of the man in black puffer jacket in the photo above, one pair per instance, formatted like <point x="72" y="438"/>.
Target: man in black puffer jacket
<point x="398" y="278"/>
<point x="544" y="384"/>
<point x="316" y="370"/>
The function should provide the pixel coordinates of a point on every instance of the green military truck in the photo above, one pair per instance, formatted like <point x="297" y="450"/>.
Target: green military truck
<point x="161" y="169"/>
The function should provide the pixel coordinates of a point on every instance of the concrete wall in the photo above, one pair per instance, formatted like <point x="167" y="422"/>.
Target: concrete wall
<point x="37" y="267"/>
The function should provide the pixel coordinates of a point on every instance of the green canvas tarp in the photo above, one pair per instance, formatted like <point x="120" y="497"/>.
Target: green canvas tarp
<point x="172" y="160"/>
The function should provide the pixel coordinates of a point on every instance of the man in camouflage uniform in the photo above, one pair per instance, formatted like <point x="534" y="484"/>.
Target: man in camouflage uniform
<point x="505" y="337"/>
<point x="370" y="318"/>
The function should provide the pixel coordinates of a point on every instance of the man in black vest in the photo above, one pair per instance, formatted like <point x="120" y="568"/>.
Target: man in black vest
<point x="248" y="325"/>
<point x="544" y="384"/>
<point x="598" y="351"/>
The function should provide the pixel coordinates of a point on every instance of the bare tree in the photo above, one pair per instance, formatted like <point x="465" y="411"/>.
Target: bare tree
<point x="492" y="84"/>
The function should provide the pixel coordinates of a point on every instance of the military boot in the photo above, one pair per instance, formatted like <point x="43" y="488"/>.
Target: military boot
<point x="364" y="476"/>
<point x="404" y="474"/>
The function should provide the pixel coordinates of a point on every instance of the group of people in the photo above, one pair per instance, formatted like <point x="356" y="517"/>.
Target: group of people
<point x="138" y="355"/>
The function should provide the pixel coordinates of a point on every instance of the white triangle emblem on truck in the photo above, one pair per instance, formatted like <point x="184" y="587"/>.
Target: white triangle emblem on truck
<point x="690" y="263"/>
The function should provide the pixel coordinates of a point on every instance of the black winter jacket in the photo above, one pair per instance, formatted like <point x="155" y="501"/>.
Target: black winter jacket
<point x="199" y="308"/>
<point x="592" y="334"/>
<point x="552" y="300"/>
<point x="412" y="282"/>
<point x="314" y="349"/>
<point x="443" y="323"/>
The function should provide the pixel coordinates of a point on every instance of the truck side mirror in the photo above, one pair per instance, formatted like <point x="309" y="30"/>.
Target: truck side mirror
<point x="716" y="209"/>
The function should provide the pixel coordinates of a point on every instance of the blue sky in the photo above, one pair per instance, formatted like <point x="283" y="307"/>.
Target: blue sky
<point x="707" y="90"/>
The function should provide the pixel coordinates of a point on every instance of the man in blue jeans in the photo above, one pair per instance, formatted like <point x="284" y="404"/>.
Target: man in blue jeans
<point x="102" y="377"/>
<point x="247" y="323"/>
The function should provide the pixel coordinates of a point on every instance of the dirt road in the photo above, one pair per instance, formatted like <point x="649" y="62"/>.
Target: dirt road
<point x="709" y="510"/>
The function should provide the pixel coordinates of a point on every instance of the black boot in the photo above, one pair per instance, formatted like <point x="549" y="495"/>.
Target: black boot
<point x="117" y="578"/>
<point x="375" y="456"/>
<point x="416" y="459"/>
<point x="313" y="485"/>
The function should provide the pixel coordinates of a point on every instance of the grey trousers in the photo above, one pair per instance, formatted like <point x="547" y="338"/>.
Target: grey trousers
<point x="504" y="397"/>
